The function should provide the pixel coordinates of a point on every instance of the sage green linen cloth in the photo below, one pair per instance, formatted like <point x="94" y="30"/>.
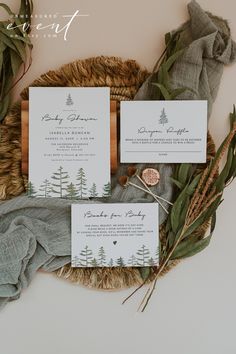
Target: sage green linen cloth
<point x="35" y="233"/>
<point x="208" y="47"/>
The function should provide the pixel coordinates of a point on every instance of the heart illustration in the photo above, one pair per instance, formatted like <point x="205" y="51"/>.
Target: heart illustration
<point x="114" y="242"/>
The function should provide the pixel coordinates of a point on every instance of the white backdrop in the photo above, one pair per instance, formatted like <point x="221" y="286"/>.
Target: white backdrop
<point x="193" y="310"/>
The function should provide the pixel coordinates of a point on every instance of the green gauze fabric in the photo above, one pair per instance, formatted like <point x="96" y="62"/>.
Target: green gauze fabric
<point x="208" y="48"/>
<point x="35" y="233"/>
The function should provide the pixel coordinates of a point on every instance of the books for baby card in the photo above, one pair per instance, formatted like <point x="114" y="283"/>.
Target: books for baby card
<point x="69" y="142"/>
<point x="115" y="235"/>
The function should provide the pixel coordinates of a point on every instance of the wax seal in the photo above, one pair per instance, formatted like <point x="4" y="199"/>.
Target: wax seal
<point x="151" y="176"/>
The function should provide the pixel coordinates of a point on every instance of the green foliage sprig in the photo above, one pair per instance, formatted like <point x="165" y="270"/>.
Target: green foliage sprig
<point x="15" y="51"/>
<point x="174" y="50"/>
<point x="197" y="199"/>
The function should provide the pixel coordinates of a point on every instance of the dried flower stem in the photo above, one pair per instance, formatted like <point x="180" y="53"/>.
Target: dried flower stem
<point x="196" y="194"/>
<point x="206" y="206"/>
<point x="151" y="289"/>
<point x="199" y="204"/>
<point x="188" y="223"/>
<point x="210" y="195"/>
<point x="198" y="198"/>
<point x="215" y="167"/>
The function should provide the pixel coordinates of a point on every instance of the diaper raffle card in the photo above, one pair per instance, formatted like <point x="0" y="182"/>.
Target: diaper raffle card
<point x="115" y="235"/>
<point x="69" y="142"/>
<point x="164" y="131"/>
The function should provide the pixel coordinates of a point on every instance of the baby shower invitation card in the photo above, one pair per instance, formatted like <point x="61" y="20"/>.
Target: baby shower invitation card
<point x="69" y="142"/>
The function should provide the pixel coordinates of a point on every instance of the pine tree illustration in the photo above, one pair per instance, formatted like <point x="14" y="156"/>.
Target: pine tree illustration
<point x="71" y="191"/>
<point x="132" y="261"/>
<point x="94" y="262"/>
<point x="69" y="101"/>
<point x="151" y="262"/>
<point x="82" y="183"/>
<point x="107" y="190"/>
<point x="75" y="262"/>
<point x="163" y="117"/>
<point x="31" y="191"/>
<point x="120" y="262"/>
<point x="101" y="257"/>
<point x="86" y="256"/>
<point x="111" y="263"/>
<point x="61" y="178"/>
<point x="45" y="189"/>
<point x="143" y="256"/>
<point x="93" y="191"/>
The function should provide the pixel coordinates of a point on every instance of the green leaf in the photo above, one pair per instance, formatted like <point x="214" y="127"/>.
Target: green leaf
<point x="2" y="47"/>
<point x="222" y="178"/>
<point x="232" y="172"/>
<point x="203" y="217"/>
<point x="160" y="75"/>
<point x="4" y="107"/>
<point x="174" y="44"/>
<point x="168" y="225"/>
<point x="16" y="62"/>
<point x="173" y="58"/>
<point x="1" y="62"/>
<point x="167" y="38"/>
<point x="163" y="90"/>
<point x="7" y="73"/>
<point x="218" y="152"/>
<point x="26" y="8"/>
<point x="21" y="50"/>
<point x="177" y="183"/>
<point x="213" y="222"/>
<point x="8" y="32"/>
<point x="175" y="93"/>
<point x="7" y="8"/>
<point x="7" y="41"/>
<point x="189" y="247"/>
<point x="163" y="77"/>
<point x="6" y="78"/>
<point x="232" y="118"/>
<point x="24" y="39"/>
<point x="23" y="9"/>
<point x="19" y="37"/>
<point x="183" y="172"/>
<point x="144" y="272"/>
<point x="184" y="210"/>
<point x="171" y="238"/>
<point x="177" y="209"/>
<point x="192" y="186"/>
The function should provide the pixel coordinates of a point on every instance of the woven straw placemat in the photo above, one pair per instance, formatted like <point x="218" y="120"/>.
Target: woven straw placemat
<point x="124" y="79"/>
